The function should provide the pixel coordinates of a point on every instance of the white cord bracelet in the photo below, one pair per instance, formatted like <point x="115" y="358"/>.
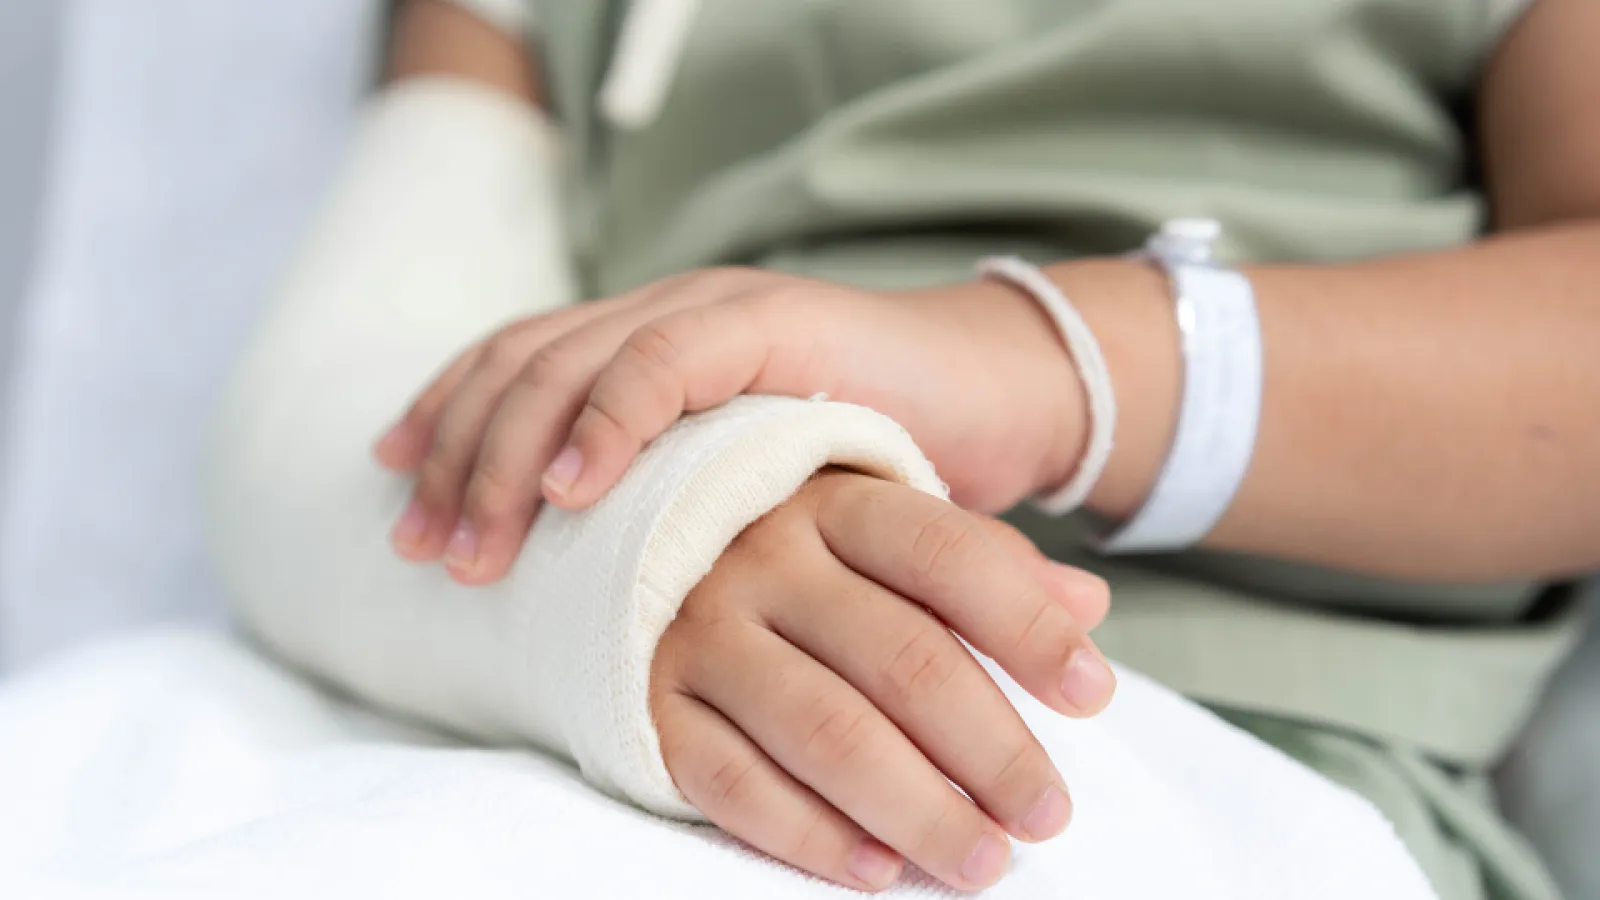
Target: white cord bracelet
<point x="1092" y="371"/>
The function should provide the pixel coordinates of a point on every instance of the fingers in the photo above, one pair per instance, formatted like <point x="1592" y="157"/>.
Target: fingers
<point x="405" y="445"/>
<point x="1084" y="594"/>
<point x="501" y="492"/>
<point x="437" y="437"/>
<point x="428" y="524"/>
<point x="738" y="787"/>
<point x="494" y="489"/>
<point x="496" y="428"/>
<point x="931" y="551"/>
<point x="692" y="360"/>
<point x="913" y="669"/>
<point x="820" y="729"/>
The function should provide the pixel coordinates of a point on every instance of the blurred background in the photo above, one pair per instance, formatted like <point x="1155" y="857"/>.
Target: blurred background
<point x="29" y="54"/>
<point x="158" y="161"/>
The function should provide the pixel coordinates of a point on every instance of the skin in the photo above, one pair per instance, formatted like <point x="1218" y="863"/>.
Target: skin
<point x="811" y="696"/>
<point x="1426" y="416"/>
<point x="807" y="705"/>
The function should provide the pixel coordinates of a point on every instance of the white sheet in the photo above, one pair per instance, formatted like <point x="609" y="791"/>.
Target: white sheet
<point x="179" y="764"/>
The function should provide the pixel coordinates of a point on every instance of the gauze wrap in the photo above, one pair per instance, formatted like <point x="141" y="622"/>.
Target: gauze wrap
<point x="445" y="225"/>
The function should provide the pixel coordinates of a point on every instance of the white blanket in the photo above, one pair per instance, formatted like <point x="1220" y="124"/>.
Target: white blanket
<point x="180" y="764"/>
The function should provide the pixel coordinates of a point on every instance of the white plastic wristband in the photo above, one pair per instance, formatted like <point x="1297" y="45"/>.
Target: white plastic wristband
<point x="1092" y="370"/>
<point x="1222" y="370"/>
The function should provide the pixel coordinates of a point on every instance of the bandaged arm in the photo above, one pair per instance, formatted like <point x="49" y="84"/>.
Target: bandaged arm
<point x="444" y="225"/>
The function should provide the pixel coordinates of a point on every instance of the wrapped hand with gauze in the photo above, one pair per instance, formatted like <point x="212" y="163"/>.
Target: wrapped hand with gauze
<point x="756" y="625"/>
<point x="445" y="225"/>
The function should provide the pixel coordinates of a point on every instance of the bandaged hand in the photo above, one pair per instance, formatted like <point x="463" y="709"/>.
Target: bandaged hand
<point x="811" y="697"/>
<point x="556" y="407"/>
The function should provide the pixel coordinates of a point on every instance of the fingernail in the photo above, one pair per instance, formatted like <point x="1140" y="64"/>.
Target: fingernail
<point x="1049" y="815"/>
<point x="874" y="865"/>
<point x="564" y="469"/>
<point x="986" y="863"/>
<point x="1088" y="682"/>
<point x="408" y="530"/>
<point x="462" y="550"/>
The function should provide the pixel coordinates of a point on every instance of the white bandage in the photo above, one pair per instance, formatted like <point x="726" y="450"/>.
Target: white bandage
<point x="446" y="225"/>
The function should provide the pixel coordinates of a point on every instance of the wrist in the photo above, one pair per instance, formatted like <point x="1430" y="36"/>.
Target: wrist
<point x="1127" y="304"/>
<point x="436" y="38"/>
<point x="1046" y="428"/>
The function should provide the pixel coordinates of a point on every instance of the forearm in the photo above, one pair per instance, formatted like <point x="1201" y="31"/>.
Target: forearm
<point x="1428" y="416"/>
<point x="436" y="38"/>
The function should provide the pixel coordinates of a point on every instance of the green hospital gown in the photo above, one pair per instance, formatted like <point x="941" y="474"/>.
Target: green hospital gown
<point x="892" y="143"/>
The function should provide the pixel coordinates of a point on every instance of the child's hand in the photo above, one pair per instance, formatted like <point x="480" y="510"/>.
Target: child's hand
<point x="812" y="700"/>
<point x="976" y="374"/>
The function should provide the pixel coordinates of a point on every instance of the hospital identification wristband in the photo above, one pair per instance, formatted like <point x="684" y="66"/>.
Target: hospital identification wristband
<point x="1221" y="409"/>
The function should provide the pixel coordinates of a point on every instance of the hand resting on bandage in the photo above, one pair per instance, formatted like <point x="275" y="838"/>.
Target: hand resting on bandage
<point x="807" y="699"/>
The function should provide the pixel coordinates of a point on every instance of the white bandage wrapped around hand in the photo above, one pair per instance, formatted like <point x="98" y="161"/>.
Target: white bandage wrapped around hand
<point x="446" y="225"/>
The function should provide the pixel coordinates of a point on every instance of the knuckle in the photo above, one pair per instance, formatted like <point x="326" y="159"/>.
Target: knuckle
<point x="500" y="355"/>
<point x="707" y="622"/>
<point x="931" y="838"/>
<point x="438" y="481"/>
<point x="765" y="309"/>
<point x="731" y="785"/>
<point x="802" y="845"/>
<point x="666" y="674"/>
<point x="704" y="593"/>
<point x="1045" y="626"/>
<point x="603" y="422"/>
<point x="653" y="348"/>
<point x="769" y="543"/>
<point x="921" y="667"/>
<point x="705" y="606"/>
<point x="775" y="295"/>
<point x="840" y="735"/>
<point x="680" y="740"/>
<point x="1022" y="776"/>
<point x="451" y="447"/>
<point x="943" y="546"/>
<point x="675" y="745"/>
<point x="494" y="493"/>
<point x="548" y="367"/>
